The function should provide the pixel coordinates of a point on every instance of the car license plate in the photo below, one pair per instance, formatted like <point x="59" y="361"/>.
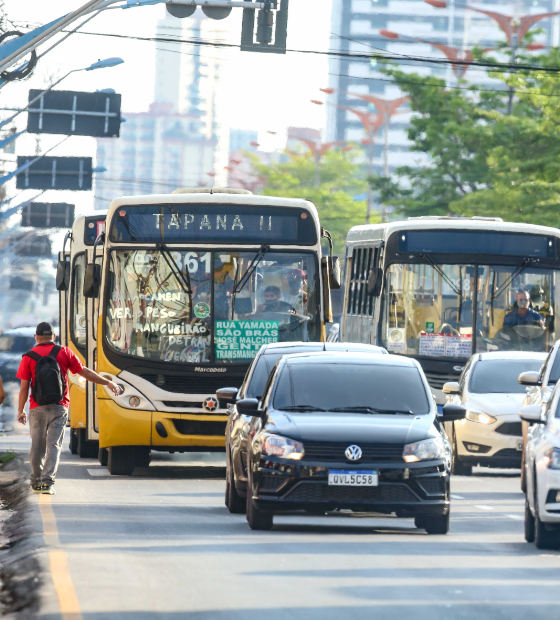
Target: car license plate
<point x="361" y="478"/>
<point x="519" y="446"/>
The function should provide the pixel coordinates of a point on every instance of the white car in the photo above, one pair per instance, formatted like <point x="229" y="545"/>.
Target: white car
<point x="539" y="388"/>
<point x="490" y="435"/>
<point x="542" y="473"/>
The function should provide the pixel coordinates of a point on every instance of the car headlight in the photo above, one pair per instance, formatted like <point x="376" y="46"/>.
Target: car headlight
<point x="282" y="447"/>
<point x="426" y="450"/>
<point x="480" y="418"/>
<point x="553" y="458"/>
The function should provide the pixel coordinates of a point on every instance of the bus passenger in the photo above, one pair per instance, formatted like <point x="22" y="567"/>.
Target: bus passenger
<point x="522" y="314"/>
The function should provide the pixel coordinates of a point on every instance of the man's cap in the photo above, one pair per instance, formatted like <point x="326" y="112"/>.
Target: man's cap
<point x="44" y="329"/>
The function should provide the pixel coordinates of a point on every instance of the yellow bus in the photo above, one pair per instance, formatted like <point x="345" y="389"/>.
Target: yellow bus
<point x="190" y="285"/>
<point x="84" y="439"/>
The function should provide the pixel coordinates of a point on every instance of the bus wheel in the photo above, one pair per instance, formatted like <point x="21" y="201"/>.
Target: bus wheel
<point x="121" y="460"/>
<point x="103" y="456"/>
<point x="73" y="443"/>
<point x="86" y="449"/>
<point x="142" y="456"/>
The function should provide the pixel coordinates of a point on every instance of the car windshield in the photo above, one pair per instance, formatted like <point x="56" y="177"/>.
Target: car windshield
<point x="429" y="309"/>
<point x="500" y="376"/>
<point x="343" y="386"/>
<point x="209" y="306"/>
<point x="16" y="344"/>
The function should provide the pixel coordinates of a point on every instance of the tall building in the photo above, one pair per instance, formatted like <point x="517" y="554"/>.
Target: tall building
<point x="356" y="26"/>
<point x="241" y="139"/>
<point x="181" y="141"/>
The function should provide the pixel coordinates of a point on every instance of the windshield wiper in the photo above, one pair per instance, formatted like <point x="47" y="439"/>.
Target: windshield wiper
<point x="239" y="285"/>
<point x="183" y="278"/>
<point x="301" y="408"/>
<point x="362" y="409"/>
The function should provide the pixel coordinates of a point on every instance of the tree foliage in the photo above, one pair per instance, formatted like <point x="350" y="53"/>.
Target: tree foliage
<point x="480" y="160"/>
<point x="340" y="182"/>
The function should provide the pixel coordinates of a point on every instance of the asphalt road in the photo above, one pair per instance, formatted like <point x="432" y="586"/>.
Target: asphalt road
<point x="161" y="544"/>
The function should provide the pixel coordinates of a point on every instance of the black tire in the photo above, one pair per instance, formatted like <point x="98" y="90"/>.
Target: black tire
<point x="458" y="468"/>
<point x="523" y="475"/>
<point x="73" y="443"/>
<point x="142" y="456"/>
<point x="257" y="519"/>
<point x="529" y="524"/>
<point x="234" y="502"/>
<point x="103" y="456"/>
<point x="86" y="449"/>
<point x="437" y="524"/>
<point x="120" y="461"/>
<point x="420" y="521"/>
<point x="544" y="538"/>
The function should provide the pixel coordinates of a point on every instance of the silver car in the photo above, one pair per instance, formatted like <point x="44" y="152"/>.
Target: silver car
<point x="490" y="435"/>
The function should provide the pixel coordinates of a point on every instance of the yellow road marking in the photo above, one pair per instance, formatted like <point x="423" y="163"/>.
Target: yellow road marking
<point x="58" y="562"/>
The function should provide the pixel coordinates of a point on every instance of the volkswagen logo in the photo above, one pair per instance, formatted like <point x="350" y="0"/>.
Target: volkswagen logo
<point x="353" y="453"/>
<point x="210" y="404"/>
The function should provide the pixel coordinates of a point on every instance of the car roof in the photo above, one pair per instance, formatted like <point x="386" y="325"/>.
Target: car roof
<point x="20" y="331"/>
<point x="289" y="348"/>
<point x="512" y="355"/>
<point x="351" y="357"/>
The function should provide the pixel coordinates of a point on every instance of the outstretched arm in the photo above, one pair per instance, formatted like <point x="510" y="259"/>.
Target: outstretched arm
<point x="91" y="375"/>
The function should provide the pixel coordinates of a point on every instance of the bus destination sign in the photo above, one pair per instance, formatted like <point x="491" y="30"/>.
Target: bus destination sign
<point x="203" y="223"/>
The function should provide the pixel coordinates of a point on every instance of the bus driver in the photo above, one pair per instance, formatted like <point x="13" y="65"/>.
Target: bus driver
<point x="522" y="314"/>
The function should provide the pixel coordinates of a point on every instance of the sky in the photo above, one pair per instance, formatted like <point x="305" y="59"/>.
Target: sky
<point x="266" y="92"/>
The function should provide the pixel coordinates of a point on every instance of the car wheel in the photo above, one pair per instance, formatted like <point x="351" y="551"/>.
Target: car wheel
<point x="73" y="443"/>
<point x="544" y="538"/>
<point x="103" y="456"/>
<point x="436" y="524"/>
<point x="529" y="524"/>
<point x="121" y="460"/>
<point x="523" y="478"/>
<point x="257" y="519"/>
<point x="235" y="503"/>
<point x="420" y="521"/>
<point x="458" y="468"/>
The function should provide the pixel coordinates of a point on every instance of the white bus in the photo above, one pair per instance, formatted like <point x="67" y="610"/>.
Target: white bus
<point x="440" y="289"/>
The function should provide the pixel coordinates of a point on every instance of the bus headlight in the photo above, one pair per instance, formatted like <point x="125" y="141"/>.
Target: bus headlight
<point x="129" y="397"/>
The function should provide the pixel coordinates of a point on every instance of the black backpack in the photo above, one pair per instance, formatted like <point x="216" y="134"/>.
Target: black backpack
<point x="49" y="385"/>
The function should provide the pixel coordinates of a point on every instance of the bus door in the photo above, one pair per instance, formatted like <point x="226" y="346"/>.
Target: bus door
<point x="92" y="313"/>
<point x="362" y="287"/>
<point x="63" y="296"/>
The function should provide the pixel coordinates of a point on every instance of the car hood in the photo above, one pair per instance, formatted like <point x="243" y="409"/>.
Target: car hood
<point x="496" y="404"/>
<point x="352" y="427"/>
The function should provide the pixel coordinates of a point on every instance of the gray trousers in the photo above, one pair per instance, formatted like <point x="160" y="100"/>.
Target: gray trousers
<point x="46" y="426"/>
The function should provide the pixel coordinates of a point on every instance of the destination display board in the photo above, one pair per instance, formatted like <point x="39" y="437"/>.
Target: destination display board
<point x="242" y="339"/>
<point x="445" y="345"/>
<point x="211" y="223"/>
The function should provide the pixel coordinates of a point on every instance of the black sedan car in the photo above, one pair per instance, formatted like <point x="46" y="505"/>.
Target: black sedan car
<point x="237" y="429"/>
<point x="348" y="431"/>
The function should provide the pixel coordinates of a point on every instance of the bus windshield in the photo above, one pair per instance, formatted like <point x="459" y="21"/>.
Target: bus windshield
<point x="209" y="307"/>
<point x="442" y="310"/>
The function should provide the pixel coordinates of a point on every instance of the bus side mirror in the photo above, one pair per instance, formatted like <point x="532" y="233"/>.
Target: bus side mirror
<point x="335" y="277"/>
<point x="62" y="275"/>
<point x="374" y="281"/>
<point x="92" y="281"/>
<point x="327" y="304"/>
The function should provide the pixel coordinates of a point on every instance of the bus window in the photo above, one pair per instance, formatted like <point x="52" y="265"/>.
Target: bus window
<point x="78" y="303"/>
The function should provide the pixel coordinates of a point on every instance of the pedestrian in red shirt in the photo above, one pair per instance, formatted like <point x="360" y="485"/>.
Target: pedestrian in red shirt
<point x="46" y="368"/>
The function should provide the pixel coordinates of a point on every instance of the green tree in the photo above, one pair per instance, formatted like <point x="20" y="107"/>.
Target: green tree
<point x="480" y="160"/>
<point x="340" y="181"/>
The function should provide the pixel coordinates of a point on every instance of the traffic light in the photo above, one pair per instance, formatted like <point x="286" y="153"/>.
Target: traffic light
<point x="47" y="215"/>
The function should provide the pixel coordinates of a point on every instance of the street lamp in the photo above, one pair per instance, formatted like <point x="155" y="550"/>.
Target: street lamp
<point x="515" y="29"/>
<point x="100" y="64"/>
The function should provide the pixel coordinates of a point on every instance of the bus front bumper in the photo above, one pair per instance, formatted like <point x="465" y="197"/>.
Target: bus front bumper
<point x="157" y="429"/>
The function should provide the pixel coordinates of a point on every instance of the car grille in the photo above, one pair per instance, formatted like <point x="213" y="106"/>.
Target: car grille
<point x="510" y="453"/>
<point x="183" y="384"/>
<point x="320" y="492"/>
<point x="432" y="486"/>
<point x="272" y="483"/>
<point x="510" y="428"/>
<point x="200" y="427"/>
<point x="182" y="403"/>
<point x="436" y="379"/>
<point x="319" y="451"/>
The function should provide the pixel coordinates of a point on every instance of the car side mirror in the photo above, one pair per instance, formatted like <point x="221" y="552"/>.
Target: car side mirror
<point x="249" y="407"/>
<point x="63" y="275"/>
<point x="451" y="413"/>
<point x="334" y="273"/>
<point x="374" y="281"/>
<point x="92" y="281"/>
<point x="226" y="396"/>
<point x="531" y="377"/>
<point x="531" y="414"/>
<point x="452" y="387"/>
